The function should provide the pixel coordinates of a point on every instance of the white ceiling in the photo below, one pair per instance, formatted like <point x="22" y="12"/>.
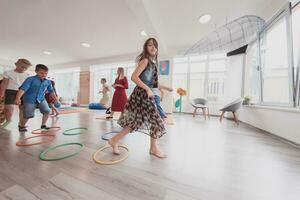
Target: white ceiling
<point x="112" y="27"/>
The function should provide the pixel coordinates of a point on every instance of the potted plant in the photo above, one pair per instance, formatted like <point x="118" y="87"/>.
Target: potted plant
<point x="246" y="100"/>
<point x="178" y="104"/>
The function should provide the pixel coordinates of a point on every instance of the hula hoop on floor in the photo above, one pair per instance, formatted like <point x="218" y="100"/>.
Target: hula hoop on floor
<point x="43" y="131"/>
<point x="78" y="132"/>
<point x="103" y="162"/>
<point x="108" y="135"/>
<point x="21" y="143"/>
<point x="43" y="154"/>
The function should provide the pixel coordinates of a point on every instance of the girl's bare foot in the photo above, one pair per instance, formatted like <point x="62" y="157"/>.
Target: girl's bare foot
<point x="157" y="153"/>
<point x="114" y="146"/>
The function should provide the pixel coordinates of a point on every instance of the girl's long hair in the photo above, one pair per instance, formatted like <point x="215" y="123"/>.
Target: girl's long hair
<point x="145" y="53"/>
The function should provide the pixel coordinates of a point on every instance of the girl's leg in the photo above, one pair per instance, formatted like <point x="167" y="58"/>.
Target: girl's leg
<point x="8" y="111"/>
<point x="113" y="142"/>
<point x="54" y="110"/>
<point x="154" y="150"/>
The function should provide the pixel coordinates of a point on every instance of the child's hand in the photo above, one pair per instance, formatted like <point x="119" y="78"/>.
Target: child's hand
<point x="150" y="94"/>
<point x="18" y="101"/>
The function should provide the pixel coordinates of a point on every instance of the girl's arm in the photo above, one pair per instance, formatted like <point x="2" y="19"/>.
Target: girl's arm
<point x="135" y="76"/>
<point x="163" y="87"/>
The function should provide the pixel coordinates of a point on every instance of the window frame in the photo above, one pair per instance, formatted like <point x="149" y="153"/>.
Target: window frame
<point x="285" y="12"/>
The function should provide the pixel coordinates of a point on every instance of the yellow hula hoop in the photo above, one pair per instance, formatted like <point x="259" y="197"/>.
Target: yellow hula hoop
<point x="103" y="162"/>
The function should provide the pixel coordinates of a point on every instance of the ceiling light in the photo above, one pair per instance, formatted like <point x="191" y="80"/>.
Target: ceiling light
<point x="204" y="18"/>
<point x="84" y="44"/>
<point x="143" y="33"/>
<point x="47" y="52"/>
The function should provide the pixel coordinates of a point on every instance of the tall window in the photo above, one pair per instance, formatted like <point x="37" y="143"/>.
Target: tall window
<point x="202" y="76"/>
<point x="274" y="63"/>
<point x="296" y="50"/>
<point x="252" y="79"/>
<point x="109" y="72"/>
<point x="216" y="76"/>
<point x="67" y="84"/>
<point x="180" y="76"/>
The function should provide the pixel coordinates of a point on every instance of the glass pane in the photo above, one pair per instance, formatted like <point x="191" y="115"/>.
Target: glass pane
<point x="196" y="89"/>
<point x="67" y="86"/>
<point x="131" y="84"/>
<point x="180" y="59"/>
<point x="275" y="64"/>
<point x="198" y="58"/>
<point x="197" y="67"/>
<point x="180" y="68"/>
<point x="296" y="41"/>
<point x="252" y="74"/>
<point x="217" y="66"/>
<point x="215" y="87"/>
<point x="180" y="81"/>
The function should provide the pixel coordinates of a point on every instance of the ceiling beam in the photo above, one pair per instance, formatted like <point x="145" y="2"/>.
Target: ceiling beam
<point x="145" y="15"/>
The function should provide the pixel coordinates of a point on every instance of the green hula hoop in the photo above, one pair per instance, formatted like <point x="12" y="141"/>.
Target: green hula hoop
<point x="43" y="154"/>
<point x="78" y="132"/>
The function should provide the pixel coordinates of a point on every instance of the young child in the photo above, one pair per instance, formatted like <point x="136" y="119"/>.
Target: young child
<point x="105" y="96"/>
<point x="51" y="100"/>
<point x="140" y="112"/>
<point x="32" y="92"/>
<point x="158" y="96"/>
<point x="12" y="80"/>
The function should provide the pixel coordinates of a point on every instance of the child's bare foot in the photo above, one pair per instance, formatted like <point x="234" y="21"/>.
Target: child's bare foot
<point x="114" y="146"/>
<point x="157" y="153"/>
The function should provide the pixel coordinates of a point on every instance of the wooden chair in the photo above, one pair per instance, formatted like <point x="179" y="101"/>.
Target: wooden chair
<point x="200" y="103"/>
<point x="232" y="107"/>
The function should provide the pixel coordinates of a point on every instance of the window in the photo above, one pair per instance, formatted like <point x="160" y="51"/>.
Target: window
<point x="296" y="50"/>
<point x="252" y="79"/>
<point x="109" y="71"/>
<point x="180" y="77"/>
<point x="274" y="63"/>
<point x="67" y="85"/>
<point x="216" y="77"/>
<point x="197" y="80"/>
<point x="202" y="76"/>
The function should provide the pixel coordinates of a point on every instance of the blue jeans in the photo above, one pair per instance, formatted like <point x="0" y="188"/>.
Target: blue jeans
<point x="158" y="107"/>
<point x="29" y="108"/>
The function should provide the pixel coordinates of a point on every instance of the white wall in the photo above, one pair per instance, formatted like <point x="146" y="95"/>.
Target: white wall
<point x="233" y="82"/>
<point x="281" y="122"/>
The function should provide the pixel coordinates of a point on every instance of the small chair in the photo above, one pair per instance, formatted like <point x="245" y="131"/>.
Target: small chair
<point x="200" y="103"/>
<point x="232" y="107"/>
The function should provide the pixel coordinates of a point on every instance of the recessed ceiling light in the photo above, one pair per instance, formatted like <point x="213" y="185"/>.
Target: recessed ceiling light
<point x="47" y="52"/>
<point x="143" y="33"/>
<point x="204" y="18"/>
<point x="84" y="44"/>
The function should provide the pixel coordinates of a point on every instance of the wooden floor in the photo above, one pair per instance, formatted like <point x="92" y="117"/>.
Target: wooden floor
<point x="206" y="160"/>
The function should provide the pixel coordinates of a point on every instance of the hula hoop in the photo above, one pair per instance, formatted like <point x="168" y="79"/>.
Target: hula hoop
<point x="107" y="135"/>
<point x="22" y="144"/>
<point x="43" y="154"/>
<point x="42" y="131"/>
<point x="80" y="131"/>
<point x="103" y="162"/>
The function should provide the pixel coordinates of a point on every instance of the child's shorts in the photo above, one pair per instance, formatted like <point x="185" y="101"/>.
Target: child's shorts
<point x="10" y="97"/>
<point x="28" y="109"/>
<point x="158" y="107"/>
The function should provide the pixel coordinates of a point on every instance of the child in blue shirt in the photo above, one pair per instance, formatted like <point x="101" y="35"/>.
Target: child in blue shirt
<point x="32" y="92"/>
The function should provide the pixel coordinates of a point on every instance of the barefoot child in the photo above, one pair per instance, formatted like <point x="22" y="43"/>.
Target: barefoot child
<point x="12" y="80"/>
<point x="158" y="97"/>
<point x="51" y="100"/>
<point x="32" y="92"/>
<point x="140" y="111"/>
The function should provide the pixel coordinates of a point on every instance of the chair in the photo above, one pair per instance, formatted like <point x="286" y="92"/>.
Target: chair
<point x="202" y="104"/>
<point x="232" y="107"/>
